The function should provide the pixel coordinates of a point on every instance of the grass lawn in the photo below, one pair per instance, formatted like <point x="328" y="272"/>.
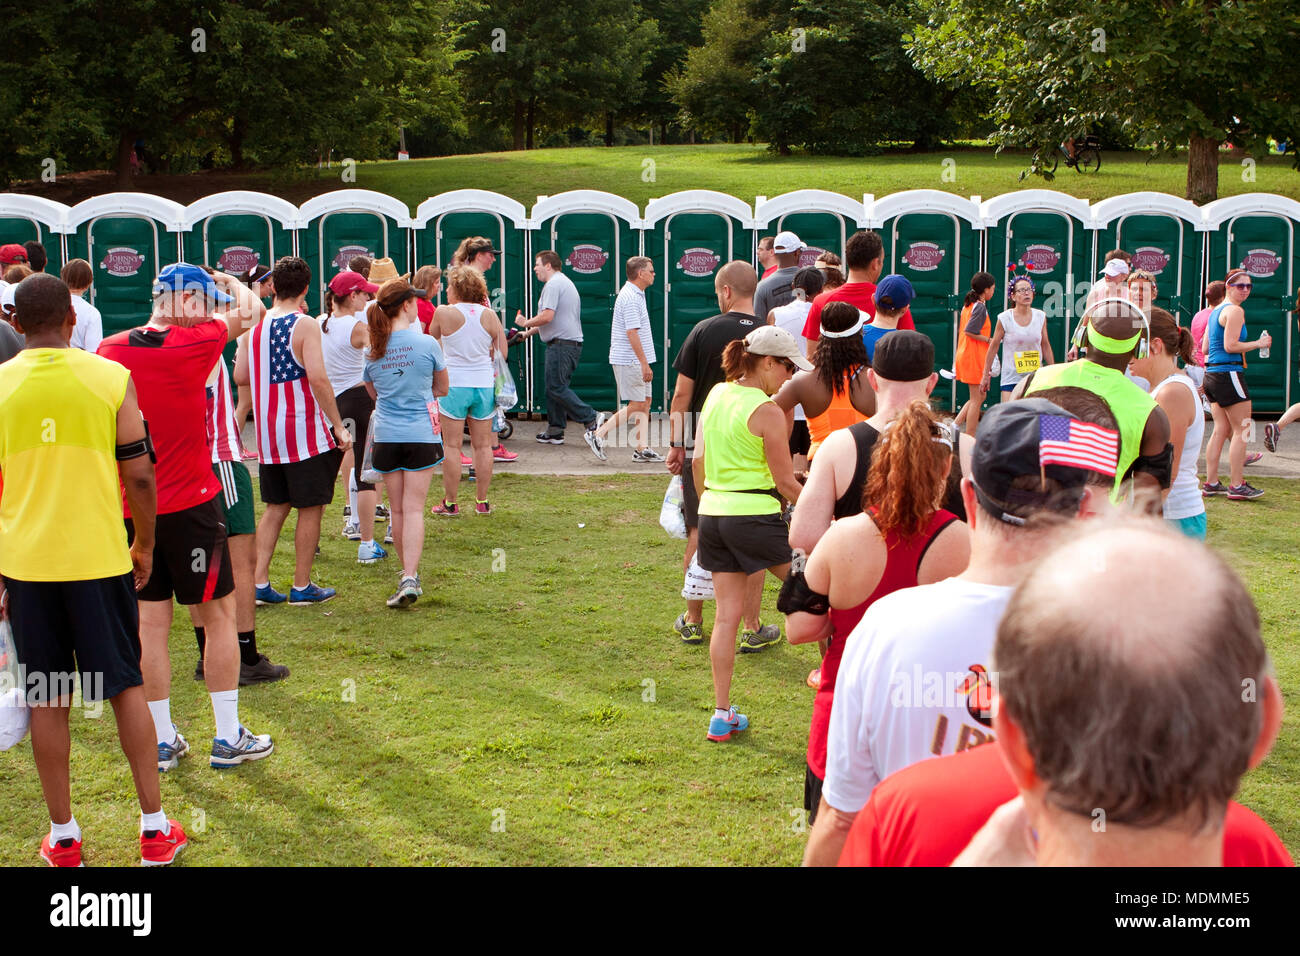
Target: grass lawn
<point x="744" y="171"/>
<point x="549" y="698"/>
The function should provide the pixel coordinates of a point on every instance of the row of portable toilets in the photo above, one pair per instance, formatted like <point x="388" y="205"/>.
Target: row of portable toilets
<point x="936" y="239"/>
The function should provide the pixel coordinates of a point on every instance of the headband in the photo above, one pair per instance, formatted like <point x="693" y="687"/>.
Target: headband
<point x="1237" y="272"/>
<point x="850" y="331"/>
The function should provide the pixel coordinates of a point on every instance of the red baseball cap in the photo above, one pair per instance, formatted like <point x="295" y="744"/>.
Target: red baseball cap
<point x="11" y="253"/>
<point x="347" y="282"/>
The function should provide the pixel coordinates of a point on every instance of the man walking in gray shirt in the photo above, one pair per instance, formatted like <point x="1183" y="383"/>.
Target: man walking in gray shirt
<point x="778" y="288"/>
<point x="559" y="322"/>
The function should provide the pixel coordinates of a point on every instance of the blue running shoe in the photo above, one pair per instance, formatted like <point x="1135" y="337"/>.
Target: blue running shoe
<point x="370" y="553"/>
<point x="169" y="755"/>
<point x="269" y="595"/>
<point x="311" y="594"/>
<point x="249" y="746"/>
<point x="721" y="728"/>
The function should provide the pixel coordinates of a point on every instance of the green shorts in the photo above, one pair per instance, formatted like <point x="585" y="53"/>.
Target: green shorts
<point x="236" y="497"/>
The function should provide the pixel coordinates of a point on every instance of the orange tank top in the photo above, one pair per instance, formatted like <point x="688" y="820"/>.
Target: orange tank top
<point x="840" y="414"/>
<point x="971" y="353"/>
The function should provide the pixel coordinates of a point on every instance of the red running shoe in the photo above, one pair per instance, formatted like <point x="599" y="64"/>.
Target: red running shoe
<point x="64" y="853"/>
<point x="465" y="460"/>
<point x="160" y="849"/>
<point x="248" y="455"/>
<point x="500" y="453"/>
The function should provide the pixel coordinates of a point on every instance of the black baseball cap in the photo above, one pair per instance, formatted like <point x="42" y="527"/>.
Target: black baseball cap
<point x="1007" y="448"/>
<point x="475" y="248"/>
<point x="903" y="356"/>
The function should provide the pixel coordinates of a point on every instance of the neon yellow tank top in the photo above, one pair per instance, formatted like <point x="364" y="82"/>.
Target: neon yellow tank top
<point x="734" y="461"/>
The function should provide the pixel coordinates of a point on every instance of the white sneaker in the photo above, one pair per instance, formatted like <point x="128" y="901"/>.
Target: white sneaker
<point x="249" y="746"/>
<point x="596" y="445"/>
<point x="352" y="531"/>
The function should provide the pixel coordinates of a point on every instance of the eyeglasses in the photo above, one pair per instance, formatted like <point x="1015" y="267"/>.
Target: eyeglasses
<point x="789" y="366"/>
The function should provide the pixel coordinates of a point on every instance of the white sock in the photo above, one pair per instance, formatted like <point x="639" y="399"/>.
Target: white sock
<point x="722" y="713"/>
<point x="155" y="821"/>
<point x="64" y="831"/>
<point x="352" y="494"/>
<point x="225" y="708"/>
<point x="367" y="542"/>
<point x="163" y="728"/>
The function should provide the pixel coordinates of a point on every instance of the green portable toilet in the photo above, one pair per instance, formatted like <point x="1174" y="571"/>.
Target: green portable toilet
<point x="934" y="239"/>
<point x="594" y="233"/>
<point x="690" y="235"/>
<point x="442" y="222"/>
<point x="1163" y="235"/>
<point x="127" y="238"/>
<point x="350" y="222"/>
<point x="822" y="220"/>
<point x="1044" y="233"/>
<point x="24" y="218"/>
<point x="1256" y="232"/>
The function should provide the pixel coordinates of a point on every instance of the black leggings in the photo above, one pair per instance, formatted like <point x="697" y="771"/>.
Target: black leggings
<point x="355" y="405"/>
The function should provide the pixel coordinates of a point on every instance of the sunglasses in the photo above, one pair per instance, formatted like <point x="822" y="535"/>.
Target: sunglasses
<point x="1240" y="285"/>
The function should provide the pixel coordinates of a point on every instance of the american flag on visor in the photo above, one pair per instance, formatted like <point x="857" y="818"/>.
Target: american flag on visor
<point x="1076" y="444"/>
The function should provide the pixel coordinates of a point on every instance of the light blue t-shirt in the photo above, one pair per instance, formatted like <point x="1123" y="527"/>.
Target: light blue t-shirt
<point x="871" y="334"/>
<point x="404" y="407"/>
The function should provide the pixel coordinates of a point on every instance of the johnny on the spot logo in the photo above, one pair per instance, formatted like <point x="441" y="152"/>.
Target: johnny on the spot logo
<point x="808" y="256"/>
<point x="1150" y="259"/>
<point x="238" y="259"/>
<point x="1040" y="258"/>
<point x="121" y="261"/>
<point x="699" y="262"/>
<point x="924" y="256"/>
<point x="346" y="254"/>
<point x="587" y="259"/>
<point x="1261" y="263"/>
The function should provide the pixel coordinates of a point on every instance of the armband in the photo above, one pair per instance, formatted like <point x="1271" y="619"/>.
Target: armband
<point x="796" y="595"/>
<point x="1159" y="466"/>
<point x="134" y="449"/>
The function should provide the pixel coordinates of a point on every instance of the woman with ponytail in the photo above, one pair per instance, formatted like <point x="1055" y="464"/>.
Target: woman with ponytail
<point x="807" y="285"/>
<point x="902" y="539"/>
<point x="404" y="370"/>
<point x="1178" y="396"/>
<point x="974" y="331"/>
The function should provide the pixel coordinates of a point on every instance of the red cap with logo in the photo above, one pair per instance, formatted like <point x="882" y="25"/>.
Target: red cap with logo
<point x="11" y="253"/>
<point x="346" y="282"/>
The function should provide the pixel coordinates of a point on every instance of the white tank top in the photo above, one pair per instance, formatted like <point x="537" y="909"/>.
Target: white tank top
<point x="1185" y="499"/>
<point x="468" y="351"/>
<point x="1023" y="342"/>
<point x="792" y="317"/>
<point x="343" y="363"/>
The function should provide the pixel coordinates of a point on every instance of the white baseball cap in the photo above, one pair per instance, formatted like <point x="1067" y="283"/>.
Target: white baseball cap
<point x="787" y="242"/>
<point x="1116" y="267"/>
<point x="777" y="342"/>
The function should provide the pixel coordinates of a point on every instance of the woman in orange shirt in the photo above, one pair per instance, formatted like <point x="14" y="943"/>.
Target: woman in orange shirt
<point x="972" y="349"/>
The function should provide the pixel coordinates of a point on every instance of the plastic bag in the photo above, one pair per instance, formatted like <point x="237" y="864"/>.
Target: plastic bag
<point x="503" y="383"/>
<point x="368" y="473"/>
<point x="671" y="517"/>
<point x="14" y="716"/>
<point x="698" y="585"/>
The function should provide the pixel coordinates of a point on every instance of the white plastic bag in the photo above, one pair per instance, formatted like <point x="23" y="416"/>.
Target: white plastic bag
<point x="14" y="717"/>
<point x="699" y="583"/>
<point x="503" y="383"/>
<point x="368" y="473"/>
<point x="671" y="517"/>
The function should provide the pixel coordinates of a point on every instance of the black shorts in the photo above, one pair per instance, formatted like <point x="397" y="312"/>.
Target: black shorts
<point x="743" y="543"/>
<point x="800" y="439"/>
<point x="301" y="484"/>
<point x="190" y="557"/>
<point x="355" y="407"/>
<point x="1226" y="388"/>
<point x="812" y="793"/>
<point x="62" y="627"/>
<point x="389" y="456"/>
<point x="690" y="498"/>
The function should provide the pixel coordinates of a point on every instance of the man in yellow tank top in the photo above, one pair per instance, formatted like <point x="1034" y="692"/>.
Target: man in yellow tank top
<point x="68" y="421"/>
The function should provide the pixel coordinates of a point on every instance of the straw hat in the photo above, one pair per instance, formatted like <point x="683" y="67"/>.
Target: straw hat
<point x="381" y="270"/>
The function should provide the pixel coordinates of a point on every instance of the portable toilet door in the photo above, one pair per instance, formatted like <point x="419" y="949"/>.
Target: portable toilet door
<point x="1044" y="233"/>
<point x="1256" y="232"/>
<point x="689" y="236"/>
<point x="1163" y="235"/>
<point x="350" y="222"/>
<point x="127" y="238"/>
<point x="594" y="233"/>
<point x="442" y="222"/>
<point x="822" y="220"/>
<point x="933" y="239"/>
<point x="24" y="218"/>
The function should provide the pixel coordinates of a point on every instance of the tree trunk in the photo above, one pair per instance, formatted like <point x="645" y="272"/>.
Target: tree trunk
<point x="532" y="120"/>
<point x="238" y="130"/>
<point x="1202" y="169"/>
<point x="125" y="145"/>
<point x="609" y="127"/>
<point x="518" y="125"/>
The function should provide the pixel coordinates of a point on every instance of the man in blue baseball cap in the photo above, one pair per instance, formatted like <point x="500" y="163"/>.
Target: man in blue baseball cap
<point x="893" y="295"/>
<point x="183" y="277"/>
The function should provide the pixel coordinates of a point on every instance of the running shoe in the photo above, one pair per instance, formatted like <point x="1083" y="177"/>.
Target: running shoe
<point x="67" y="852"/>
<point x="160" y="849"/>
<point x="169" y="755"/>
<point x="465" y="460"/>
<point x="1217" y="488"/>
<point x="263" y="672"/>
<point x="501" y="453"/>
<point x="690" y="633"/>
<point x="407" y="591"/>
<point x="596" y="444"/>
<point x="311" y="594"/>
<point x="248" y="455"/>
<point x="721" y="728"/>
<point x="546" y="438"/>
<point x="352" y="531"/>
<point x="482" y="508"/>
<point x="269" y="595"/>
<point x="370" y="553"/>
<point x="381" y="511"/>
<point x="647" y="454"/>
<point x="1271" y="434"/>
<point x="815" y="678"/>
<point x="446" y="509"/>
<point x="1255" y="456"/>
<point x="751" y="642"/>
<point x="1244" y="492"/>
<point x="249" y="746"/>
<point x="388" y="534"/>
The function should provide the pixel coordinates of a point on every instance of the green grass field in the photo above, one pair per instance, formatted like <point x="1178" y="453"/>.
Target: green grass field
<point x="542" y="713"/>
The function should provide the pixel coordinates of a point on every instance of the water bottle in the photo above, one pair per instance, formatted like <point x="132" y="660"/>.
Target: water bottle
<point x="1263" y="353"/>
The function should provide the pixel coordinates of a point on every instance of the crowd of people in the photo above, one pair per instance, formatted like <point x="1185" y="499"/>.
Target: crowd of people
<point x="1000" y="647"/>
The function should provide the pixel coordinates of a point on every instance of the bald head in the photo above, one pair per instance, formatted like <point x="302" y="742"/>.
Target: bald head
<point x="1131" y="660"/>
<point x="737" y="276"/>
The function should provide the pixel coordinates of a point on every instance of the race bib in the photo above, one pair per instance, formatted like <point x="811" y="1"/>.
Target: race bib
<point x="1027" y="362"/>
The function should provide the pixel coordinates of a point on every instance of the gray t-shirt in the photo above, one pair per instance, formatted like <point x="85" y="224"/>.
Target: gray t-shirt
<point x="775" y="290"/>
<point x="11" y="343"/>
<point x="561" y="294"/>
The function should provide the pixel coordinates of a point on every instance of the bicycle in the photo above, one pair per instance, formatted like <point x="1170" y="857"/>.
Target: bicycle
<point x="1086" y="159"/>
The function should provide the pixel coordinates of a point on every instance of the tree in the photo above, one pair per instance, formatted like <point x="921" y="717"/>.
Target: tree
<point x="679" y="28"/>
<point x="1175" y="72"/>
<point x="714" y="89"/>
